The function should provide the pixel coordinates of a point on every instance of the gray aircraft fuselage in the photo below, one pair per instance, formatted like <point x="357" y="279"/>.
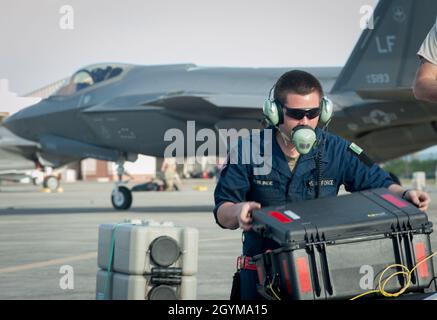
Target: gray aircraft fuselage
<point x="131" y="112"/>
<point x="108" y="109"/>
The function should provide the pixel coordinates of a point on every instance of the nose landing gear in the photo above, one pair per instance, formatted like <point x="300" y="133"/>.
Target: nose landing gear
<point x="51" y="182"/>
<point x="121" y="197"/>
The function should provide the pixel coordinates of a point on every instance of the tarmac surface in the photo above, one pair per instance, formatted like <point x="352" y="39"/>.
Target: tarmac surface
<point x="41" y="233"/>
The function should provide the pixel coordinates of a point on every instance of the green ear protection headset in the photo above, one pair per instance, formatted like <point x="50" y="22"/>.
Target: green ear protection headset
<point x="303" y="137"/>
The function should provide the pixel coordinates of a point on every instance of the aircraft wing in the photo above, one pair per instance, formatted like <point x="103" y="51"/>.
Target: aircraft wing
<point x="21" y="154"/>
<point x="12" y="145"/>
<point x="215" y="111"/>
<point x="185" y="102"/>
<point x="226" y="111"/>
<point x="16" y="175"/>
<point x="392" y="142"/>
<point x="14" y="161"/>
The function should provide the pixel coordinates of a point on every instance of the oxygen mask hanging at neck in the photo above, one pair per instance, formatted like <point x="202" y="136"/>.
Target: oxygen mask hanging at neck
<point x="303" y="137"/>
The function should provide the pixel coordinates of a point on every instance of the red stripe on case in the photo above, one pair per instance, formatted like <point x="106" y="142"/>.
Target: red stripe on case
<point x="280" y="217"/>
<point x="393" y="200"/>
<point x="304" y="275"/>
<point x="420" y="256"/>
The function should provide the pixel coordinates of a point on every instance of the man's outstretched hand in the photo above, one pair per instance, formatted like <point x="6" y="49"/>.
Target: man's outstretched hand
<point x="245" y="216"/>
<point x="420" y="198"/>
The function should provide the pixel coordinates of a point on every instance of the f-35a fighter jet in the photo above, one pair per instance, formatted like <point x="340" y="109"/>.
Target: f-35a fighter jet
<point x="117" y="111"/>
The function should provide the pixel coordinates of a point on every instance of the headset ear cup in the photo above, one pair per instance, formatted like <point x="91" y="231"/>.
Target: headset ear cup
<point x="326" y="110"/>
<point x="272" y="112"/>
<point x="280" y="112"/>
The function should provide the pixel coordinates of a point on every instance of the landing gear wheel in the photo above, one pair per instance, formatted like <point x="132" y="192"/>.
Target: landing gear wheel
<point x="121" y="198"/>
<point x="51" y="182"/>
<point x="37" y="181"/>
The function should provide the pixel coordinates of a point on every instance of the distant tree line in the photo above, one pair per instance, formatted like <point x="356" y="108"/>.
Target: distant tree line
<point x="404" y="168"/>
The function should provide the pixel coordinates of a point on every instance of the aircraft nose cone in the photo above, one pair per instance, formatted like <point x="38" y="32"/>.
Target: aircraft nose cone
<point x="9" y="122"/>
<point x="16" y="124"/>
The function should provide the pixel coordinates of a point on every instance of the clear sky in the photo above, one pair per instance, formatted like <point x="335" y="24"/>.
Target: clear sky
<point x="36" y="51"/>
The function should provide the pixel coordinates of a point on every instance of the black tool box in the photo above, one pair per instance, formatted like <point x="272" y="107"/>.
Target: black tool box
<point x="337" y="247"/>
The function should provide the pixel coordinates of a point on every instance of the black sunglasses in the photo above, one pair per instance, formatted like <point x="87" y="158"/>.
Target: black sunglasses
<point x="298" y="114"/>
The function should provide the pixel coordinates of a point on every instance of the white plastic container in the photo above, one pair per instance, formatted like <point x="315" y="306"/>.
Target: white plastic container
<point x="104" y="245"/>
<point x="140" y="246"/>
<point x="126" y="287"/>
<point x="104" y="283"/>
<point x="419" y="180"/>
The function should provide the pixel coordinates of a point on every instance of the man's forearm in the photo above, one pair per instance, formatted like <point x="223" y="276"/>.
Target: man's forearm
<point x="426" y="89"/>
<point x="227" y="215"/>
<point x="396" y="189"/>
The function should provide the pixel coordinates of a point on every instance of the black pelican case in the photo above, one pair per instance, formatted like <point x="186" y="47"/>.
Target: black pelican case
<point x="337" y="247"/>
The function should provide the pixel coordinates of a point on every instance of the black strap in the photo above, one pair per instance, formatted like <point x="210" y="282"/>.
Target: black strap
<point x="366" y="160"/>
<point x="319" y="161"/>
<point x="319" y="173"/>
<point x="236" y="287"/>
<point x="363" y="157"/>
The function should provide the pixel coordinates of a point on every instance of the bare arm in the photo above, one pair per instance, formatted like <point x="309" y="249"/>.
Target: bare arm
<point x="233" y="215"/>
<point x="419" y="198"/>
<point x="425" y="84"/>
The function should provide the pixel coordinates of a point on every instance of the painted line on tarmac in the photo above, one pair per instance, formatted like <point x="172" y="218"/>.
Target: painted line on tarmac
<point x="86" y="256"/>
<point x="220" y="239"/>
<point x="48" y="263"/>
<point x="11" y="221"/>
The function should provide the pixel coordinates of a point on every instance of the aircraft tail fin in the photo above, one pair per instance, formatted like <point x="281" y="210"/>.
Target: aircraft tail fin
<point x="385" y="58"/>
